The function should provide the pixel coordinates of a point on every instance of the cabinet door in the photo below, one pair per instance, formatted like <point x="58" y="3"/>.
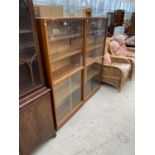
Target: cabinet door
<point x="65" y="39"/>
<point x="62" y="92"/>
<point x="67" y="95"/>
<point x="88" y="87"/>
<point x="95" y="38"/>
<point x="93" y="77"/>
<point x="35" y="123"/>
<point x="30" y="76"/>
<point x="76" y="89"/>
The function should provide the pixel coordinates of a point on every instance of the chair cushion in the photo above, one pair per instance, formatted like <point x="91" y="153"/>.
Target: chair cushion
<point x="114" y="46"/>
<point x="122" y="51"/>
<point x="123" y="66"/>
<point x="117" y="49"/>
<point x="107" y="59"/>
<point x="120" y="39"/>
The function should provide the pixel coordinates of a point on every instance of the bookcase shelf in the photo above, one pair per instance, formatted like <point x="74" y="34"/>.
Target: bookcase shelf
<point x="64" y="54"/>
<point x="94" y="46"/>
<point x="26" y="45"/>
<point x="54" y="39"/>
<point x="25" y="31"/>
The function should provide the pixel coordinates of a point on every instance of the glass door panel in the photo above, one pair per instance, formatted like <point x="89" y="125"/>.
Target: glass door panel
<point x="76" y="89"/>
<point x="29" y="72"/>
<point x="67" y="47"/>
<point x="67" y="95"/>
<point x="61" y="91"/>
<point x="88" y="87"/>
<point x="58" y="30"/>
<point x="63" y="110"/>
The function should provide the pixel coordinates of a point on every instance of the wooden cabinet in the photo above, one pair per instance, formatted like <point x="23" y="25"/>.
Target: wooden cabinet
<point x="131" y="28"/>
<point x="115" y="18"/>
<point x="69" y="47"/>
<point x="119" y="17"/>
<point x="35" y="120"/>
<point x="63" y="52"/>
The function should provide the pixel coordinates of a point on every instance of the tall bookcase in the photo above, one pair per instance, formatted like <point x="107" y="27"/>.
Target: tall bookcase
<point x="35" y="105"/>
<point x="72" y="50"/>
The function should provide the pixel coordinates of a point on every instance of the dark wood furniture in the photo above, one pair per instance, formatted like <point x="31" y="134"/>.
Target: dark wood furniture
<point x="131" y="28"/>
<point x="119" y="17"/>
<point x="72" y="50"/>
<point x="111" y="17"/>
<point x="35" y="105"/>
<point x="35" y="120"/>
<point x="115" y="18"/>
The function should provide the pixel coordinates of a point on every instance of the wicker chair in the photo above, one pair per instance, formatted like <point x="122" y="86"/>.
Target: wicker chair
<point x="117" y="72"/>
<point x="132" y="60"/>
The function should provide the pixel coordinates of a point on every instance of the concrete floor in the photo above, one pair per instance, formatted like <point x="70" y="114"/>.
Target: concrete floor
<point x="105" y="125"/>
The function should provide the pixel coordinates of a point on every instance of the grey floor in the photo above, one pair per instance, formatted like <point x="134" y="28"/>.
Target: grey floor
<point x="105" y="125"/>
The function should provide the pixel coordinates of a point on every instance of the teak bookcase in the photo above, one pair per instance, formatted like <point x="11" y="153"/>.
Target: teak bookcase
<point x="72" y="50"/>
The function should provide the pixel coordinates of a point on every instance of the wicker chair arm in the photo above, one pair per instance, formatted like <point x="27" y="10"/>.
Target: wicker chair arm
<point x="119" y="59"/>
<point x="110" y="66"/>
<point x="116" y="71"/>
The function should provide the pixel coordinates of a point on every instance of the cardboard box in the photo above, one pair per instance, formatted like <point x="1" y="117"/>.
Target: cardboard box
<point x="48" y="10"/>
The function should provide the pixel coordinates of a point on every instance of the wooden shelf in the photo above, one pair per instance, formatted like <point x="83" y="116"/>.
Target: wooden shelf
<point x="92" y="47"/>
<point x="64" y="54"/>
<point x="65" y="72"/>
<point x="26" y="45"/>
<point x="64" y="93"/>
<point x="92" y="73"/>
<point x="25" y="31"/>
<point x="96" y="31"/>
<point x="65" y="37"/>
<point x="91" y="60"/>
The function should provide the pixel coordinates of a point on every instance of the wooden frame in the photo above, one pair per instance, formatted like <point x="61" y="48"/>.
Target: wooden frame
<point x="80" y="37"/>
